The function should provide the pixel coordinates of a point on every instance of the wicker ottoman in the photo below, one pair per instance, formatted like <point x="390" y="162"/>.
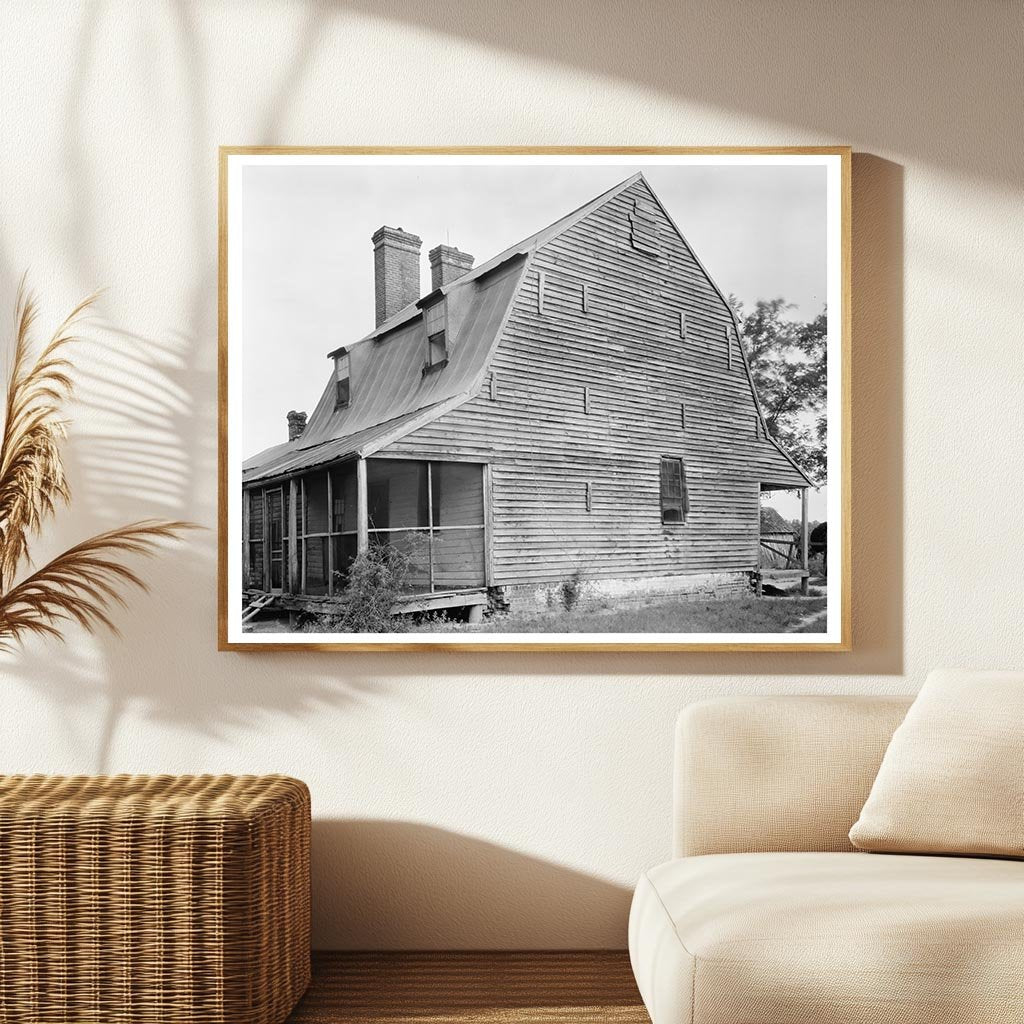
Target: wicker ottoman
<point x="171" y="900"/>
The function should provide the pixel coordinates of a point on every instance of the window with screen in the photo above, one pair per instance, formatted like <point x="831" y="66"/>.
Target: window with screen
<point x="675" y="500"/>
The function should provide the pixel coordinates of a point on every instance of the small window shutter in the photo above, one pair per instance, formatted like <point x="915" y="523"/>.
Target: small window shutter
<point x="682" y="415"/>
<point x="541" y="282"/>
<point x="728" y="346"/>
<point x="585" y="299"/>
<point x="494" y="387"/>
<point x="643" y="223"/>
<point x="682" y="324"/>
<point x="586" y="400"/>
<point x="685" y="496"/>
<point x="590" y="496"/>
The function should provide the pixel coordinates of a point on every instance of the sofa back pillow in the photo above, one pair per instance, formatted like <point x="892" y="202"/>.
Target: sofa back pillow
<point x="952" y="778"/>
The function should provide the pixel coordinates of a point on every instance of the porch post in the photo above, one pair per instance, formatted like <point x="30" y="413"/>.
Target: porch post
<point x="362" y="509"/>
<point x="804" y="554"/>
<point x="293" y="535"/>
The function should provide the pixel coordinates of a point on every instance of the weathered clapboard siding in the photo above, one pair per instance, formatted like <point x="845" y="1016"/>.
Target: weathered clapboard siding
<point x="593" y="397"/>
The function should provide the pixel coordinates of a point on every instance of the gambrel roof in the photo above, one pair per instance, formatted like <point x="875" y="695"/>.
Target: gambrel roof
<point x="390" y="394"/>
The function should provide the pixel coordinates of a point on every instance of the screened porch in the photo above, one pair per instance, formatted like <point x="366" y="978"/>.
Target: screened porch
<point x="302" y="534"/>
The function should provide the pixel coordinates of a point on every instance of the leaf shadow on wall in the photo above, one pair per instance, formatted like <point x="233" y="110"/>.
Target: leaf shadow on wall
<point x="145" y="453"/>
<point x="146" y="446"/>
<point x="405" y="885"/>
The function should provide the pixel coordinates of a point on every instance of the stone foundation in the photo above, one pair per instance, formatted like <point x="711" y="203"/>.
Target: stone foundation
<point x="590" y="594"/>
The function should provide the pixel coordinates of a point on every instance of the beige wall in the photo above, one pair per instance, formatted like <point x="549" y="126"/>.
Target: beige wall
<point x="490" y="800"/>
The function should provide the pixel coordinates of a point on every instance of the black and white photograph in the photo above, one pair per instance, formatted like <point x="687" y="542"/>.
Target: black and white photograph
<point x="534" y="399"/>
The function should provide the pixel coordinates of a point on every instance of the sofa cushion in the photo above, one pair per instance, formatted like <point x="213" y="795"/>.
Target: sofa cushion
<point x="952" y="778"/>
<point x="833" y="938"/>
<point x="757" y="774"/>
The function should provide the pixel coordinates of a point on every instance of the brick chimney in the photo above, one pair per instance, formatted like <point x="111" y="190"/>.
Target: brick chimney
<point x="296" y="424"/>
<point x="396" y="270"/>
<point x="447" y="264"/>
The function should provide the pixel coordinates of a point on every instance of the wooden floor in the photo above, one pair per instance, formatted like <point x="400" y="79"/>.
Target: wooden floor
<point x="466" y="988"/>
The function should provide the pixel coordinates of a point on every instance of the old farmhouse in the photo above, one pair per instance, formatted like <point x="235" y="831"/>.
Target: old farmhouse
<point x="577" y="407"/>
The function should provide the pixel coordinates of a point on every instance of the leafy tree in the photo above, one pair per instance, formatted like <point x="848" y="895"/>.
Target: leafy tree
<point x="788" y="364"/>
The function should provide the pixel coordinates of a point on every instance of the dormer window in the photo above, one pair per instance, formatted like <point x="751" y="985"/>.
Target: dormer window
<point x="435" y="321"/>
<point x="342" y="380"/>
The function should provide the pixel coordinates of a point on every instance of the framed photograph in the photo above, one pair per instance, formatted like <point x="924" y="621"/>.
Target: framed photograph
<point x="535" y="399"/>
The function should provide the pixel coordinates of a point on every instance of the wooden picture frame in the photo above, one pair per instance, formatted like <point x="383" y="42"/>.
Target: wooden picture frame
<point x="356" y="481"/>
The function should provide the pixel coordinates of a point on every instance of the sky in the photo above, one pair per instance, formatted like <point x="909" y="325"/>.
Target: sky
<point x="308" y="258"/>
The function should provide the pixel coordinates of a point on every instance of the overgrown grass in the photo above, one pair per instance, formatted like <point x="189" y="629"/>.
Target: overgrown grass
<point x="737" y="615"/>
<point x="375" y="581"/>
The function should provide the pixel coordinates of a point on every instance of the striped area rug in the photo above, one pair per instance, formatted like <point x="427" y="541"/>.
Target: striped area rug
<point x="471" y="988"/>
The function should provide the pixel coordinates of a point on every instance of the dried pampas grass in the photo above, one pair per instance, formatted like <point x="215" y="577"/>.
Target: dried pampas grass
<point x="83" y="583"/>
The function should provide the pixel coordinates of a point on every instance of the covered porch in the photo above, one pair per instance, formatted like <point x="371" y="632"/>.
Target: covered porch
<point x="302" y="533"/>
<point x="783" y="560"/>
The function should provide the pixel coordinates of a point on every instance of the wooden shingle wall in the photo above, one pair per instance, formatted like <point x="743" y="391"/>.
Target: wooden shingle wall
<point x="593" y="397"/>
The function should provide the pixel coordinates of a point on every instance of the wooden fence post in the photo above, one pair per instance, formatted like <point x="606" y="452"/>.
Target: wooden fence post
<point x="804" y="553"/>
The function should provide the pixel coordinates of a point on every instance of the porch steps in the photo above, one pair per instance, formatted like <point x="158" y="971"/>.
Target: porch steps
<point x="252" y="610"/>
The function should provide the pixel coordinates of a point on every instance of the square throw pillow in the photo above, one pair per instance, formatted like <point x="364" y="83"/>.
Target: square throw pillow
<point x="952" y="779"/>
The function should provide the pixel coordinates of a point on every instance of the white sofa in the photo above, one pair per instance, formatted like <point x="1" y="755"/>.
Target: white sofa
<point x="767" y="914"/>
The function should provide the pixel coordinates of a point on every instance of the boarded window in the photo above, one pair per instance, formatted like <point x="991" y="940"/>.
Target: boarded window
<point x="643" y="225"/>
<point x="435" y="320"/>
<point x="342" y="381"/>
<point x="675" y="500"/>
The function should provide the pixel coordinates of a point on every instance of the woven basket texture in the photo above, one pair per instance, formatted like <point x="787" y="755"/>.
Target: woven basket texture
<point x="165" y="899"/>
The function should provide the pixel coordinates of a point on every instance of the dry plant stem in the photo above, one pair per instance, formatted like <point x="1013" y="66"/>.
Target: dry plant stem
<point x="82" y="583"/>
